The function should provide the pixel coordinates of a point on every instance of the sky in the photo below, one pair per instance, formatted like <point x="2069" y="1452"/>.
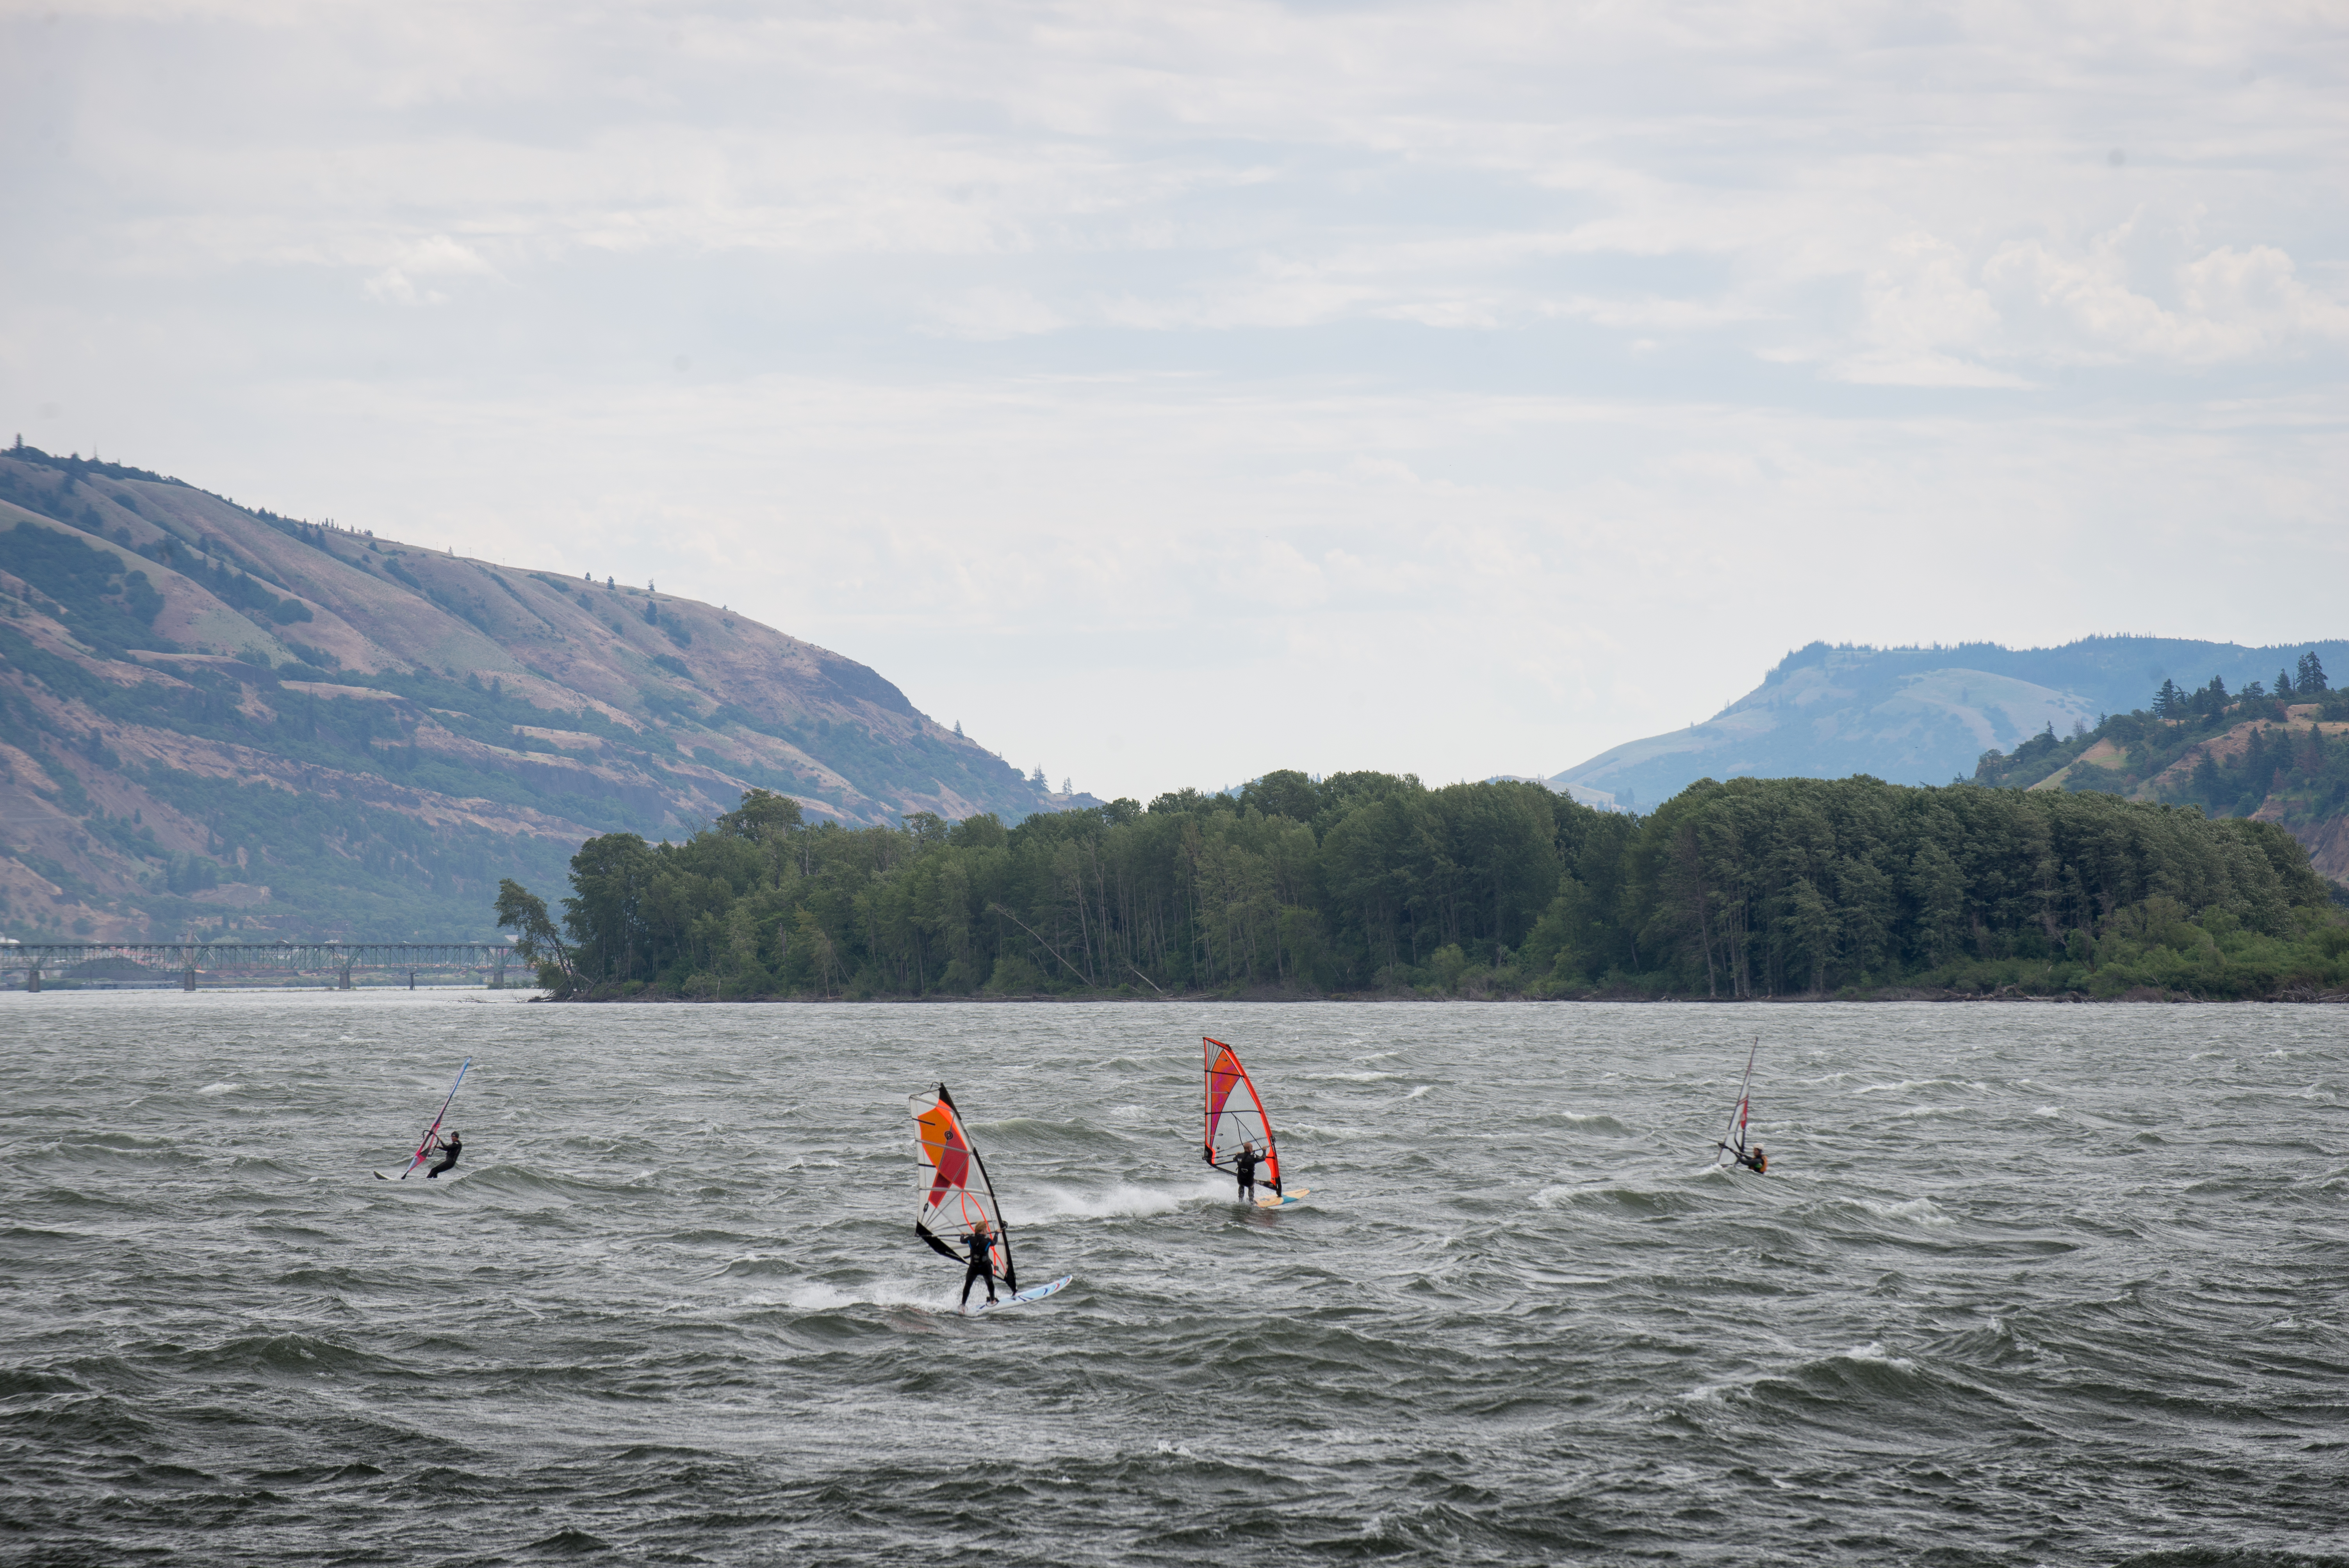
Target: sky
<point x="1169" y="394"/>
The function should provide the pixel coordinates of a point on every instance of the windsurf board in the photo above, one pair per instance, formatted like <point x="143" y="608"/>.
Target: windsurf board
<point x="1034" y="1292"/>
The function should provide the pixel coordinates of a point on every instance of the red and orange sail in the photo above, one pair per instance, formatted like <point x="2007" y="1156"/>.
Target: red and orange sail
<point x="1235" y="1113"/>
<point x="955" y="1192"/>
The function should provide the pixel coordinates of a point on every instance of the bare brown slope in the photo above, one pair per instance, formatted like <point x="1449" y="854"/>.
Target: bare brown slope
<point x="519" y="707"/>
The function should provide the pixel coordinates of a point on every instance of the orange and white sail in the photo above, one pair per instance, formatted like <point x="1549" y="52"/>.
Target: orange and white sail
<point x="1236" y="1113"/>
<point x="954" y="1194"/>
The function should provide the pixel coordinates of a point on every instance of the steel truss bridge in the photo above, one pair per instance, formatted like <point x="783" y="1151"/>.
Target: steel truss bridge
<point x="24" y="964"/>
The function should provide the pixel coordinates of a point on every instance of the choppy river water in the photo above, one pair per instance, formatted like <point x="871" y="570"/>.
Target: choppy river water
<point x="2023" y="1284"/>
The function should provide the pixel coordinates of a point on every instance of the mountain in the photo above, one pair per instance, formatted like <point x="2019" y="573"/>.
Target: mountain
<point x="213" y="717"/>
<point x="1916" y="715"/>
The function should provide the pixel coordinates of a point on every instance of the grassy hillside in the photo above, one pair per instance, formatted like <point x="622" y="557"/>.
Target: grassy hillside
<point x="2244" y="753"/>
<point x="215" y="718"/>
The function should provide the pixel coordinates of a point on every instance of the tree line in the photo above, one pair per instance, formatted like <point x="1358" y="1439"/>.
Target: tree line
<point x="1375" y="884"/>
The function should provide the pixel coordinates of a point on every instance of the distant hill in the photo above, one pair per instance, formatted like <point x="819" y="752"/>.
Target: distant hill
<point x="1917" y="716"/>
<point x="214" y="718"/>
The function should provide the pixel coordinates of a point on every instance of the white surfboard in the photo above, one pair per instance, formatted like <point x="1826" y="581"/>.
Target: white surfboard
<point x="1034" y="1292"/>
<point x="1277" y="1200"/>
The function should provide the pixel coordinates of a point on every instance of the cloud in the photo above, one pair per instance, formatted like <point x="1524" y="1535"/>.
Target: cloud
<point x="436" y="255"/>
<point x="1059" y="354"/>
<point x="2230" y="304"/>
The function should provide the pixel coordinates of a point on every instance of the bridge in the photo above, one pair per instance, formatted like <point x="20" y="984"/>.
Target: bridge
<point x="247" y="961"/>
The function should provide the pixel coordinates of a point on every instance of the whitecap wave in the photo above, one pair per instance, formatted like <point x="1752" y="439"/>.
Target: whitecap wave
<point x="1338" y="1129"/>
<point x="1126" y="1201"/>
<point x="219" y="1088"/>
<point x="814" y="1295"/>
<point x="1922" y="1211"/>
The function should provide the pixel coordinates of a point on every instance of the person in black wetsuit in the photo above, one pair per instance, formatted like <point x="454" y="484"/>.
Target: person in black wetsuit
<point x="982" y="1265"/>
<point x="448" y="1151"/>
<point x="1244" y="1166"/>
<point x="1756" y="1161"/>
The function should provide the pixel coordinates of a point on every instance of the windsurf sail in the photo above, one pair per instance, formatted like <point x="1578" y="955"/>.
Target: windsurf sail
<point x="1235" y="1113"/>
<point x="954" y="1192"/>
<point x="432" y="1133"/>
<point x="1733" y="1142"/>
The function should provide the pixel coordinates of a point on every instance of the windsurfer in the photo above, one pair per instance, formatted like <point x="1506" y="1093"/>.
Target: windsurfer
<point x="982" y="1264"/>
<point x="450" y="1149"/>
<point x="1756" y="1162"/>
<point x="1244" y="1166"/>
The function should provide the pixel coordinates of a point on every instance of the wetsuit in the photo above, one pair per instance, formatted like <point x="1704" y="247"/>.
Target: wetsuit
<point x="447" y="1157"/>
<point x="1244" y="1167"/>
<point x="1756" y="1161"/>
<point x="982" y="1266"/>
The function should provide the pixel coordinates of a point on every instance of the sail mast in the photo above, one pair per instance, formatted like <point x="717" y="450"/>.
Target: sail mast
<point x="1737" y="1113"/>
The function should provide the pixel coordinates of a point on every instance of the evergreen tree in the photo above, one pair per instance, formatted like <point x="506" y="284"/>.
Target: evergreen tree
<point x="2283" y="682"/>
<point x="2312" y="673"/>
<point x="2168" y="702"/>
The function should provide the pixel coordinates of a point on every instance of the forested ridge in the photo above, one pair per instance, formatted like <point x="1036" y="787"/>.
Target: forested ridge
<point x="1373" y="884"/>
<point x="2239" y="750"/>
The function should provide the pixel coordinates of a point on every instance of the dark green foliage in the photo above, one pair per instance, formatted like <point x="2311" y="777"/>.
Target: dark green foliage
<point x="1371" y="883"/>
<point x="1800" y="885"/>
<point x="109" y="606"/>
<point x="541" y="943"/>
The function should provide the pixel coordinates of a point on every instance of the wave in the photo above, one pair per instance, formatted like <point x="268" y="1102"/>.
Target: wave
<point x="301" y="1354"/>
<point x="1906" y="1085"/>
<point x="219" y="1089"/>
<point x="1921" y="1211"/>
<point x="1580" y="1121"/>
<point x="1126" y="1201"/>
<point x="941" y="1292"/>
<point x="1333" y="1130"/>
<point x="1029" y="1131"/>
<point x="1630" y="1199"/>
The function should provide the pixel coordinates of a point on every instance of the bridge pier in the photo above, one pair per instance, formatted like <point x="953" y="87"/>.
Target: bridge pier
<point x="411" y="979"/>
<point x="188" y="980"/>
<point x="347" y="976"/>
<point x="33" y="980"/>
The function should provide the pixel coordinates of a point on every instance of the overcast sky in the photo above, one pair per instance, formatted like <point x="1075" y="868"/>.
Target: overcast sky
<point x="1170" y="393"/>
